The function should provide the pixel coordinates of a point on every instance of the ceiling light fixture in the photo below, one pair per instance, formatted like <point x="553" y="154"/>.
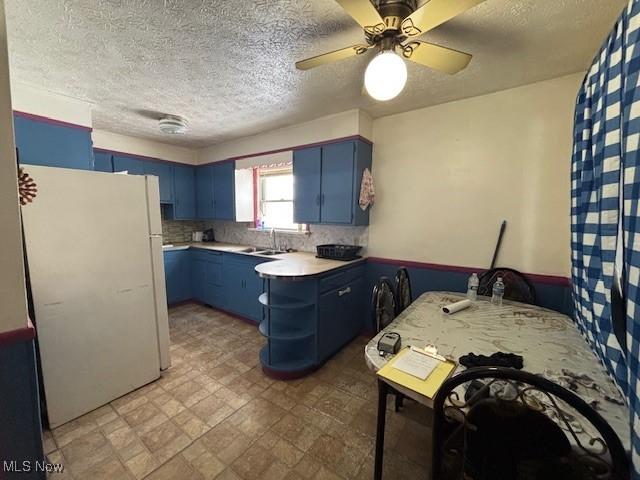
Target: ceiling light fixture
<point x="386" y="76"/>
<point x="173" y="125"/>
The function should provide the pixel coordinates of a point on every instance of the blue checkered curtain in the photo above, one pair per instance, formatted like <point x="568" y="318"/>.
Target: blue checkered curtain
<point x="605" y="176"/>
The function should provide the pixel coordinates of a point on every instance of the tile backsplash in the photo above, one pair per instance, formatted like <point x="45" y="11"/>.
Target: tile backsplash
<point x="234" y="232"/>
<point x="176" y="231"/>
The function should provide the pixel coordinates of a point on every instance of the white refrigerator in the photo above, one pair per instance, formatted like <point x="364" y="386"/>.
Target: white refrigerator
<point x="94" y="249"/>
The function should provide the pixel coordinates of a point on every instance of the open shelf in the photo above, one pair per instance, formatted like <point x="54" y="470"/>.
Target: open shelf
<point x="294" y="335"/>
<point x="282" y="302"/>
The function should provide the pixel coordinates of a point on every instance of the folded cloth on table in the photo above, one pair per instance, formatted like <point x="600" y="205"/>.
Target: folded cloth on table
<point x="498" y="359"/>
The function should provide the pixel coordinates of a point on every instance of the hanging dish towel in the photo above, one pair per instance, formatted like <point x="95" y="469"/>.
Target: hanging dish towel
<point x="367" y="192"/>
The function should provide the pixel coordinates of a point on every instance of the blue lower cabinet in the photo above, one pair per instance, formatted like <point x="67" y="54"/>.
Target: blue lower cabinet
<point x="177" y="270"/>
<point x="340" y="316"/>
<point x="102" y="162"/>
<point x="198" y="277"/>
<point x="164" y="172"/>
<point x="52" y="144"/>
<point x="207" y="277"/>
<point x="308" y="321"/>
<point x="243" y="286"/>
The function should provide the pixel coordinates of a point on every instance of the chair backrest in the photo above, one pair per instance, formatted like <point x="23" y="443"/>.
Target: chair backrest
<point x="383" y="303"/>
<point x="517" y="287"/>
<point x="515" y="424"/>
<point x="403" y="290"/>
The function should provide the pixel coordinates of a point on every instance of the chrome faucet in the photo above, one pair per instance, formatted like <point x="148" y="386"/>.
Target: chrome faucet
<point x="274" y="245"/>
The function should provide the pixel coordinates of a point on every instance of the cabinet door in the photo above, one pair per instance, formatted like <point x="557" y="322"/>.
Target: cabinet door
<point x="234" y="286"/>
<point x="102" y="162"/>
<point x="306" y="185"/>
<point x="184" y="205"/>
<point x="177" y="273"/>
<point x="198" y="278"/>
<point x="340" y="317"/>
<point x="224" y="187"/>
<point x="254" y="287"/>
<point x="41" y="143"/>
<point x="164" y="172"/>
<point x="204" y="193"/>
<point x="337" y="183"/>
<point x="128" y="164"/>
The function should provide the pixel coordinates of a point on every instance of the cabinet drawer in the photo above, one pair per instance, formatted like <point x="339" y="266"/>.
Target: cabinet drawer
<point x="207" y="255"/>
<point x="337" y="279"/>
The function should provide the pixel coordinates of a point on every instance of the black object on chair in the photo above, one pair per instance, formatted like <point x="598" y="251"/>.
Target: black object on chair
<point x="403" y="290"/>
<point x="383" y="308"/>
<point x="516" y="286"/>
<point x="518" y="425"/>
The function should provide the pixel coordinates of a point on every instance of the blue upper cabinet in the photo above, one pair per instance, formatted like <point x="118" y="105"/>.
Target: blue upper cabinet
<point x="215" y="191"/>
<point x="306" y="186"/>
<point x="204" y="193"/>
<point x="224" y="200"/>
<point x="103" y="161"/>
<point x="327" y="183"/>
<point x="336" y="185"/>
<point x="164" y="172"/>
<point x="184" y="183"/>
<point x="53" y="144"/>
<point x="123" y="163"/>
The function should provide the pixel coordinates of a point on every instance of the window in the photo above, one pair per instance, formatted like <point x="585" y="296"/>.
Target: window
<point x="276" y="199"/>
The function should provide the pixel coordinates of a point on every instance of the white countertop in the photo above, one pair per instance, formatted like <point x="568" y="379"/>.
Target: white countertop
<point x="299" y="264"/>
<point x="285" y="265"/>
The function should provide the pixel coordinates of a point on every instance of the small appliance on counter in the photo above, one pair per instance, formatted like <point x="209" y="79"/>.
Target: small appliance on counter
<point x="338" y="252"/>
<point x="197" y="236"/>
<point x="208" y="236"/>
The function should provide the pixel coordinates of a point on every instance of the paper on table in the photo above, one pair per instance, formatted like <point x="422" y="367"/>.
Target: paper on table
<point x="416" y="364"/>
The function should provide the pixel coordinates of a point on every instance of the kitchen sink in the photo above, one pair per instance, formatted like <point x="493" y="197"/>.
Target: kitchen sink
<point x="251" y="250"/>
<point x="270" y="252"/>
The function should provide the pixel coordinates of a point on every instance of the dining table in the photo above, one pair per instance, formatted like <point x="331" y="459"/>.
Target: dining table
<point x="549" y="342"/>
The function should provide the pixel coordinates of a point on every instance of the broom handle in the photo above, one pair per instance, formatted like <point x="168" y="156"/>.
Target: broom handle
<point x="500" y="235"/>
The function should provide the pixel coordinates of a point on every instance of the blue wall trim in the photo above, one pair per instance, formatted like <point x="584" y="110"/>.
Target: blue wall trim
<point x="554" y="296"/>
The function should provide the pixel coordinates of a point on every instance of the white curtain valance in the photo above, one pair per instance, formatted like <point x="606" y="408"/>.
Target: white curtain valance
<point x="268" y="160"/>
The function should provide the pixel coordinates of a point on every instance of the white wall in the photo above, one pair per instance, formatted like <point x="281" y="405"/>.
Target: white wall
<point x="35" y="100"/>
<point x="352" y="122"/>
<point x="446" y="176"/>
<point x="142" y="146"/>
<point x="13" y="309"/>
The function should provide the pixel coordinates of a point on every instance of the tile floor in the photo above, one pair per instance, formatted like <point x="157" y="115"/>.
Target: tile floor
<point x="214" y="414"/>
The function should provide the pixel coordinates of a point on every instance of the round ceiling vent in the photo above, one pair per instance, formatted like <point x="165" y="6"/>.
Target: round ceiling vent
<point x="173" y="125"/>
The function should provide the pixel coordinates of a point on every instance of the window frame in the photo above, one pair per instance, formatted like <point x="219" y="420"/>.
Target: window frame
<point x="262" y="175"/>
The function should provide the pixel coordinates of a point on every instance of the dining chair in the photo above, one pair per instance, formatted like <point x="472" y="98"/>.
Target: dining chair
<point x="383" y="303"/>
<point x="383" y="311"/>
<point x="403" y="290"/>
<point x="517" y="287"/>
<point x="518" y="425"/>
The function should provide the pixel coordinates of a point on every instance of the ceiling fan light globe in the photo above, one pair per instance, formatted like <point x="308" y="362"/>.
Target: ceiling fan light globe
<point x="386" y="76"/>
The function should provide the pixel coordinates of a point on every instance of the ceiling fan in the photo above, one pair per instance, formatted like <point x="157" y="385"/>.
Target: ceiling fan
<point x="391" y="26"/>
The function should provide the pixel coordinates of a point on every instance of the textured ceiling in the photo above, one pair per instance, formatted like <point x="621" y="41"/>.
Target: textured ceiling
<point x="228" y="65"/>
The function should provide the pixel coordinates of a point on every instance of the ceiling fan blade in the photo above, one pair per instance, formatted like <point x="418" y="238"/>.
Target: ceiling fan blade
<point x="363" y="12"/>
<point x="332" y="57"/>
<point x="434" y="13"/>
<point x="434" y="56"/>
